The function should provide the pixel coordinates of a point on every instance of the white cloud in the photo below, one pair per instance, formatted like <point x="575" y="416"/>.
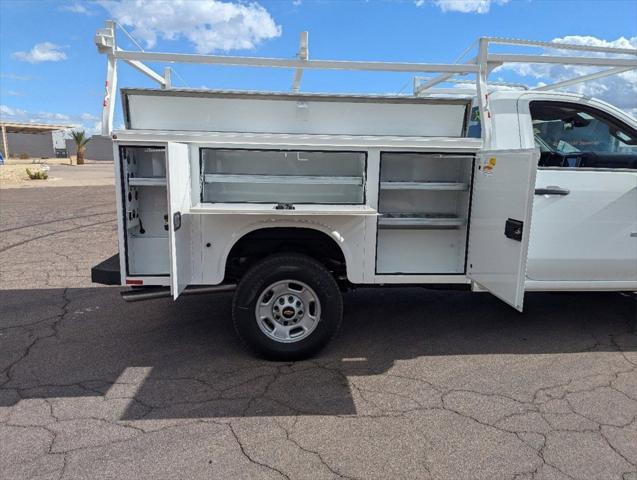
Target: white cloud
<point x="52" y="116"/>
<point x="210" y="25"/>
<point x="86" y="121"/>
<point x="7" y="112"/>
<point x="13" y="76"/>
<point x="76" y="7"/>
<point x="96" y="129"/>
<point x="619" y="90"/>
<point x="41" y="52"/>
<point x="88" y="116"/>
<point x="463" y="6"/>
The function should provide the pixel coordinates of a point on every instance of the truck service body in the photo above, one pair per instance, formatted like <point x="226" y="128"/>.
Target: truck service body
<point x="289" y="198"/>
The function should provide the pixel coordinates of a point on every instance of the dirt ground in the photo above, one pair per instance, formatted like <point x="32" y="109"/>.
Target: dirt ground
<point x="61" y="173"/>
<point x="13" y="175"/>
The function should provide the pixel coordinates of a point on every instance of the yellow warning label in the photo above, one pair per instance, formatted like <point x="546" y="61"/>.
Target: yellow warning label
<point x="489" y="165"/>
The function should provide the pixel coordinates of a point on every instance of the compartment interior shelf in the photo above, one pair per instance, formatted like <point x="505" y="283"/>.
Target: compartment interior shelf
<point x="273" y="179"/>
<point x="269" y="209"/>
<point x="423" y="205"/>
<point x="414" y="220"/>
<point x="146" y="209"/>
<point x="397" y="185"/>
<point x="147" y="181"/>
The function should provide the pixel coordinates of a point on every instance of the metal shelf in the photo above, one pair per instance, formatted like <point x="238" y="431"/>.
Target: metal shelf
<point x="415" y="220"/>
<point x="147" y="181"/>
<point x="285" y="179"/>
<point x="270" y="210"/>
<point x="453" y="186"/>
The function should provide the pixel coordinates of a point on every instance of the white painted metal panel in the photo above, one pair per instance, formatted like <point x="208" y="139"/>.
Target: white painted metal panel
<point x="503" y="186"/>
<point x="223" y="231"/>
<point x="432" y="251"/>
<point x="147" y="256"/>
<point x="291" y="141"/>
<point x="119" y="205"/>
<point x="589" y="234"/>
<point x="179" y="218"/>
<point x="292" y="116"/>
<point x="269" y="209"/>
<point x="579" y="286"/>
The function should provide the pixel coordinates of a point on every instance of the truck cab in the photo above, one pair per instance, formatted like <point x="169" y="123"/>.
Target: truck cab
<point x="584" y="222"/>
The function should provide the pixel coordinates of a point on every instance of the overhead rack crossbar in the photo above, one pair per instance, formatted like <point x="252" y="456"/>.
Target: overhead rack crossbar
<point x="619" y="61"/>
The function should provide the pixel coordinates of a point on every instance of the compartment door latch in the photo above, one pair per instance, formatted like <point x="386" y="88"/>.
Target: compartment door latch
<point x="513" y="229"/>
<point x="176" y="221"/>
<point x="284" y="206"/>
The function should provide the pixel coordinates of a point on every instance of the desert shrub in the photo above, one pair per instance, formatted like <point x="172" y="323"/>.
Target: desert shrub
<point x="23" y="156"/>
<point x="37" y="174"/>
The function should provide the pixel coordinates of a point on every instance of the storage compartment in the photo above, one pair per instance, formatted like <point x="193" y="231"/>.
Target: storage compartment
<point x="282" y="176"/>
<point x="424" y="207"/>
<point x="420" y="251"/>
<point x="148" y="255"/>
<point x="146" y="210"/>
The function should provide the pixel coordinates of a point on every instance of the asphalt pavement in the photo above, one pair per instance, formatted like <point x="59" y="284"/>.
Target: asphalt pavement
<point x="419" y="384"/>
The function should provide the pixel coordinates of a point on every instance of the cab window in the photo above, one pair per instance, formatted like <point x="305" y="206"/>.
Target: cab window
<point x="474" y="128"/>
<point x="573" y="136"/>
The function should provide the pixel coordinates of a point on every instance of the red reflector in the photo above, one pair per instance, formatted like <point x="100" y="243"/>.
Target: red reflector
<point x="134" y="282"/>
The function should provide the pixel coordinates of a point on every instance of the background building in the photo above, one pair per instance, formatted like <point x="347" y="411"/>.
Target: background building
<point x="99" y="148"/>
<point x="34" y="140"/>
<point x="29" y="139"/>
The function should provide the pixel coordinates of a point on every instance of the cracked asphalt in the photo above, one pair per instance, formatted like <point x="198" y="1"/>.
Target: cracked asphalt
<point x="420" y="384"/>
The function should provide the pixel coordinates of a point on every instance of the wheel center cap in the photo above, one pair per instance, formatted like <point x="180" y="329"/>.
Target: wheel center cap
<point x="288" y="312"/>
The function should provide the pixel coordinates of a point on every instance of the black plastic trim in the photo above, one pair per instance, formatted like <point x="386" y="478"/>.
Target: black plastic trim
<point x="107" y="272"/>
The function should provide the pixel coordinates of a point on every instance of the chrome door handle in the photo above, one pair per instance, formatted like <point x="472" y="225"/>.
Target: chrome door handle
<point x="551" y="190"/>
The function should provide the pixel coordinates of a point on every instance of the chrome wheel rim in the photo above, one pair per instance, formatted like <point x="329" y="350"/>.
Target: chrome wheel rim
<point x="288" y="311"/>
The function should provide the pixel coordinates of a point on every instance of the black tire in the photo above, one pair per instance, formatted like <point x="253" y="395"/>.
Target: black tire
<point x="291" y="266"/>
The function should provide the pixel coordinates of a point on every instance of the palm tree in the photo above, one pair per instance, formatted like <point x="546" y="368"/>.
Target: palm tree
<point x="80" y="139"/>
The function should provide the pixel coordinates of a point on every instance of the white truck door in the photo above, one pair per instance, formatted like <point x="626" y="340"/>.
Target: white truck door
<point x="585" y="207"/>
<point x="500" y="219"/>
<point x="179" y="219"/>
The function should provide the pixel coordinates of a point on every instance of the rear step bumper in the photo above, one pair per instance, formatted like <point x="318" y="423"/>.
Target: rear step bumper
<point x="137" y="294"/>
<point x="107" y="272"/>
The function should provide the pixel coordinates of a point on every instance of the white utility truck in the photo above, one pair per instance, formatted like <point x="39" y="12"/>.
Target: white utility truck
<point x="288" y="199"/>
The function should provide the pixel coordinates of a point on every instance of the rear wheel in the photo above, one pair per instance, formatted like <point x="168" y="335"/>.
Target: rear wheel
<point x="287" y="307"/>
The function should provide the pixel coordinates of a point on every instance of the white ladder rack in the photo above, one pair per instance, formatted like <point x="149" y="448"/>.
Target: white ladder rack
<point x="481" y="65"/>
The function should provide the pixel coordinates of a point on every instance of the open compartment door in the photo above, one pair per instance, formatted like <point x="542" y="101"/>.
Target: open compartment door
<point x="179" y="218"/>
<point x="502" y="200"/>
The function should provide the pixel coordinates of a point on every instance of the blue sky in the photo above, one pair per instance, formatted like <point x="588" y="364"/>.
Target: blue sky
<point x="50" y="70"/>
